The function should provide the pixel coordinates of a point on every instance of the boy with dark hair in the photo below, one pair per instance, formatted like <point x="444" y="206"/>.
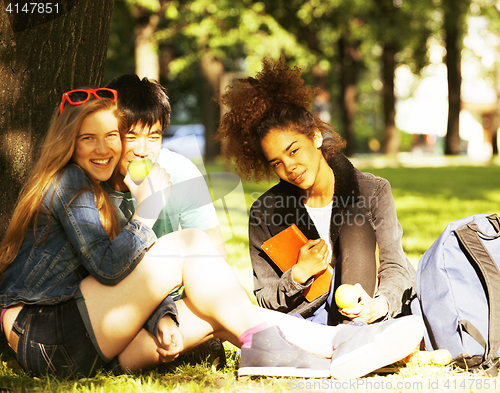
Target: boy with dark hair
<point x="143" y="102"/>
<point x="147" y="111"/>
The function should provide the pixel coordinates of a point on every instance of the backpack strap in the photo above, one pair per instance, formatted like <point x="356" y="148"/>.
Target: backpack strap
<point x="492" y="369"/>
<point x="495" y="221"/>
<point x="468" y="237"/>
<point x="474" y="333"/>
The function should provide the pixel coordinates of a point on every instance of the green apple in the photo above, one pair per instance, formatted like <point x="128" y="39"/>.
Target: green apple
<point x="139" y="169"/>
<point x="347" y="296"/>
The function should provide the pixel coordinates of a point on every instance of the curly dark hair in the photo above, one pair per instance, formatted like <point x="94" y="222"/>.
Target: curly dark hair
<point x="276" y="98"/>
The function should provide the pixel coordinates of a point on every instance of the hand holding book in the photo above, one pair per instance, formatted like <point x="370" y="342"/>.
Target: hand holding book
<point x="284" y="249"/>
<point x="313" y="259"/>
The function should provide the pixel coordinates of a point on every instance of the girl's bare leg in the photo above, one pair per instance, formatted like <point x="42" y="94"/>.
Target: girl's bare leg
<point x="141" y="353"/>
<point x="218" y="297"/>
<point x="117" y="313"/>
<point x="215" y="298"/>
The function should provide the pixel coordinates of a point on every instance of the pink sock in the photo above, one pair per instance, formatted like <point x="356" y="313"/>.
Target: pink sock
<point x="246" y="336"/>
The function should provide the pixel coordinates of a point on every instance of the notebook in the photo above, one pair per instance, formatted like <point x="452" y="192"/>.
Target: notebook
<point x="284" y="249"/>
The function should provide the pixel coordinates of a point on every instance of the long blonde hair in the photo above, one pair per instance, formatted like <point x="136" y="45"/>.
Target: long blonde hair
<point x="55" y="153"/>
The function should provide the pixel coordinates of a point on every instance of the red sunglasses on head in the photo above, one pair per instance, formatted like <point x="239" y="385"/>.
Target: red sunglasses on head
<point x="79" y="96"/>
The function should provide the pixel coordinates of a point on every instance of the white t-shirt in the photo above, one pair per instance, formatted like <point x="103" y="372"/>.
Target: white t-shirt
<point x="321" y="217"/>
<point x="190" y="204"/>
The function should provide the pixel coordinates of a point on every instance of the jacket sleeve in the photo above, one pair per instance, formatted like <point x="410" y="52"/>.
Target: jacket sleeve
<point x="272" y="288"/>
<point x="74" y="206"/>
<point x="396" y="274"/>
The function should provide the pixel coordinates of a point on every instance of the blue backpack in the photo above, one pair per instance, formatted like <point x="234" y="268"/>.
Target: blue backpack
<point x="458" y="292"/>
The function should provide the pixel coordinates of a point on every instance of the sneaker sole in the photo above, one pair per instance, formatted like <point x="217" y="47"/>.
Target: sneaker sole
<point x="394" y="344"/>
<point x="283" y="372"/>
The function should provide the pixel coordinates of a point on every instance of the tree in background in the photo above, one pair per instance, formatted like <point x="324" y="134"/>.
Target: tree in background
<point x="349" y="49"/>
<point x="42" y="54"/>
<point x="120" y="58"/>
<point x="350" y="66"/>
<point x="454" y="12"/>
<point x="215" y="37"/>
<point x="206" y="38"/>
<point x="148" y="15"/>
<point x="491" y="11"/>
<point x="344" y="38"/>
<point x="401" y="28"/>
<point x="332" y="31"/>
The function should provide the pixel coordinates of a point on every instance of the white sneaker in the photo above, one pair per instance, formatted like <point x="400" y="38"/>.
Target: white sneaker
<point x="359" y="349"/>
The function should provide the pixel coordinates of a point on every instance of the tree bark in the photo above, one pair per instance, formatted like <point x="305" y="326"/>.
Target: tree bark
<point x="42" y="55"/>
<point x="147" y="57"/>
<point x="496" y="118"/>
<point x="212" y="70"/>
<point x="453" y="28"/>
<point x="391" y="133"/>
<point x="350" y="60"/>
<point x="147" y="60"/>
<point x="453" y="63"/>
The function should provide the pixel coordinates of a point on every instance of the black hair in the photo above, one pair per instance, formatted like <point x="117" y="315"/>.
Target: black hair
<point x="142" y="101"/>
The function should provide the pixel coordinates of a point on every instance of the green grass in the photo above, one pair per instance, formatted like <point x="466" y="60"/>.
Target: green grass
<point x="426" y="200"/>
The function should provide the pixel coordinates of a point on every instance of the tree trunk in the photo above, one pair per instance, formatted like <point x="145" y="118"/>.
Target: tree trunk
<point x="391" y="133"/>
<point x="496" y="118"/>
<point x="43" y="55"/>
<point x="147" y="58"/>
<point x="212" y="70"/>
<point x="147" y="61"/>
<point x="350" y="59"/>
<point x="453" y="29"/>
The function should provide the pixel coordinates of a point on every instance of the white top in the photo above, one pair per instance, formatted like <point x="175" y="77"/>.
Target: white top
<point x="189" y="206"/>
<point x="321" y="217"/>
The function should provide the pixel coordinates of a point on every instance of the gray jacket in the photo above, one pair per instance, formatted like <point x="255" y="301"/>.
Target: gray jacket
<point x="357" y="195"/>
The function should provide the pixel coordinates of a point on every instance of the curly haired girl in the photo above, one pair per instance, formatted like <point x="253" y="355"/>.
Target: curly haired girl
<point x="349" y="216"/>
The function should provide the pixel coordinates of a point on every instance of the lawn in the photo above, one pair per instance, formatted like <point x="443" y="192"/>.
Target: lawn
<point x="427" y="198"/>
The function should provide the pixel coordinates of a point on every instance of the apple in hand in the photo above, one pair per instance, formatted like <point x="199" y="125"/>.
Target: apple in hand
<point x="347" y="296"/>
<point x="139" y="169"/>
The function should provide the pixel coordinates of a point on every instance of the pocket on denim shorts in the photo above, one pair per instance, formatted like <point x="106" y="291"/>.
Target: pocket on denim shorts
<point x="49" y="359"/>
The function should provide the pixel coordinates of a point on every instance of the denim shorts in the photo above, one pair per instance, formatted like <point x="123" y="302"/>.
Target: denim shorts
<point x="54" y="339"/>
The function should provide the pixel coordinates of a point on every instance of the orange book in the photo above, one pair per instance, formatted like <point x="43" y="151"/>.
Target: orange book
<point x="284" y="249"/>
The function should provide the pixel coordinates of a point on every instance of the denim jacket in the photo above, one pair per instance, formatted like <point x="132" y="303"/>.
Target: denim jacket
<point x="54" y="259"/>
<point x="356" y="195"/>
